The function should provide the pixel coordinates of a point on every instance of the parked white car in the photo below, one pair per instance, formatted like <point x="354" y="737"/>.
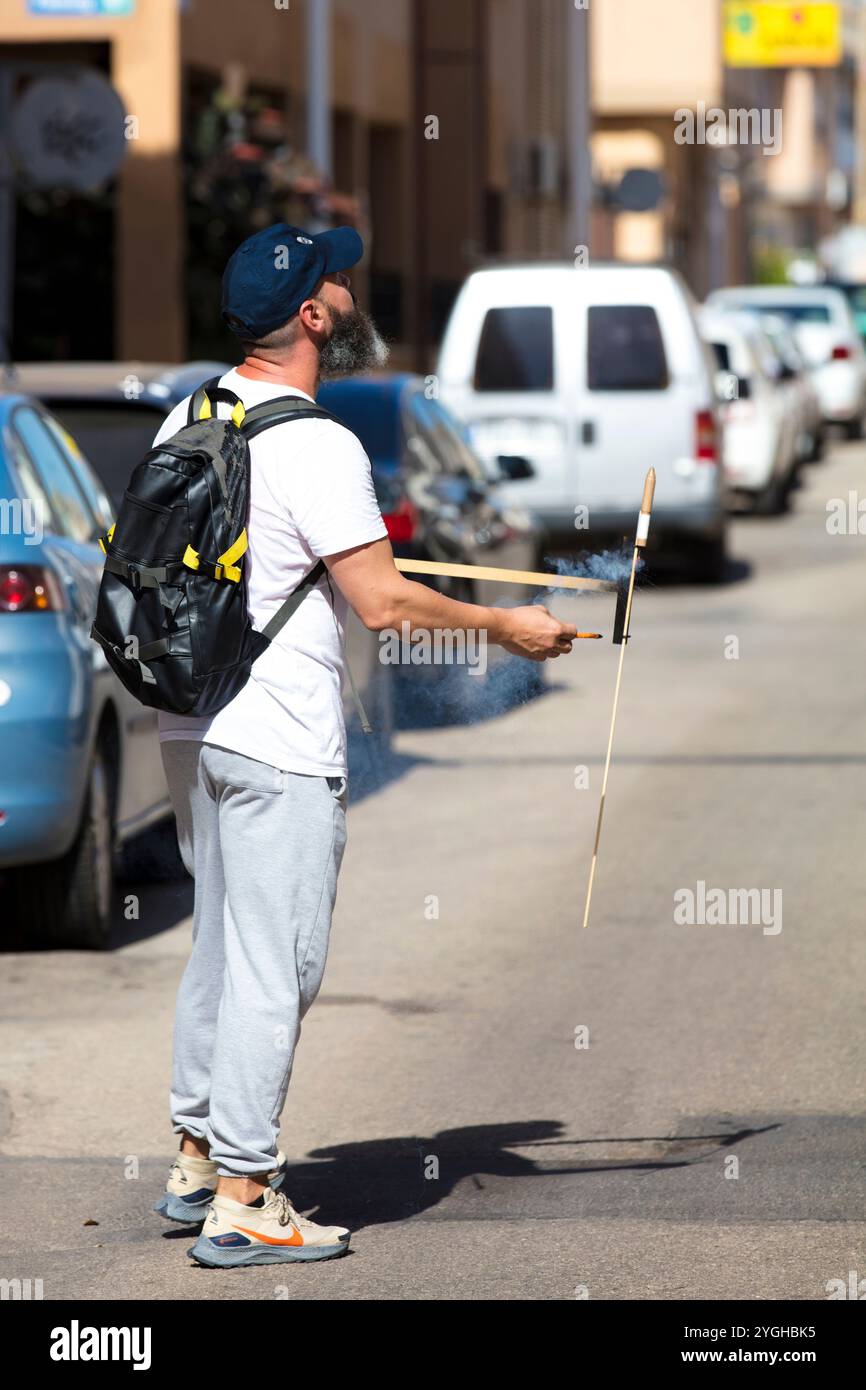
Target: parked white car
<point x="827" y="334"/>
<point x="796" y="381"/>
<point x="593" y="374"/>
<point x="760" y="426"/>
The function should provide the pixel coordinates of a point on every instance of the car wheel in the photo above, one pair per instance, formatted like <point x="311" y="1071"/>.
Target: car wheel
<point x="819" y="444"/>
<point x="854" y="428"/>
<point x="773" y="501"/>
<point x="68" y="901"/>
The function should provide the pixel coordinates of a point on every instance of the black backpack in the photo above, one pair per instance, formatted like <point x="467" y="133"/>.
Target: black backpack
<point x="172" y="613"/>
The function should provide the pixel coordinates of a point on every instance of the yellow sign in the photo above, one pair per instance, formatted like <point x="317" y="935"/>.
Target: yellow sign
<point x="782" y="34"/>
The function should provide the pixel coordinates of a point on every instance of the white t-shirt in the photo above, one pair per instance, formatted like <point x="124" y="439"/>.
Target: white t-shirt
<point x="311" y="494"/>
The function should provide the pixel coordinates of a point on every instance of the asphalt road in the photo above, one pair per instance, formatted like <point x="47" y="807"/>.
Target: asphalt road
<point x="440" y="1105"/>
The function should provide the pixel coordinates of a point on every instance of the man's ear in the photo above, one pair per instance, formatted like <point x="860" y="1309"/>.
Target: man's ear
<point x="312" y="316"/>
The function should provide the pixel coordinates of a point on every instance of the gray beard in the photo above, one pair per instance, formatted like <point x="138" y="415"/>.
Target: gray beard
<point x="355" y="345"/>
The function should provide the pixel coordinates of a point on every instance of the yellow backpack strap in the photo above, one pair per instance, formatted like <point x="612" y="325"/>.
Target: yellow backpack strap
<point x="203" y="401"/>
<point x="225" y="565"/>
<point x="200" y="407"/>
<point x="205" y="410"/>
<point x="105" y="541"/>
<point x="190" y="558"/>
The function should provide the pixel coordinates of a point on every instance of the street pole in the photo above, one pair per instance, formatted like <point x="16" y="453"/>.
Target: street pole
<point x="579" y="112"/>
<point x="319" y="145"/>
<point x="419" y="318"/>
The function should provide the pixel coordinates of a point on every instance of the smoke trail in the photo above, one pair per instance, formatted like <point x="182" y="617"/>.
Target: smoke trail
<point x="458" y="698"/>
<point x="612" y="565"/>
<point x="511" y="681"/>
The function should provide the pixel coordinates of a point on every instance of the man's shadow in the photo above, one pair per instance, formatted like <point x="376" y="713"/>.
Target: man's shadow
<point x="382" y="1180"/>
<point x="378" y="1181"/>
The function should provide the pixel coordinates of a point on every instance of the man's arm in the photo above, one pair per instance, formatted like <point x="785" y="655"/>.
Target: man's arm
<point x="382" y="597"/>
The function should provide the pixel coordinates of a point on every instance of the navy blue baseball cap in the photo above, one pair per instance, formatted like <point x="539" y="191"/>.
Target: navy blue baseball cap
<point x="271" y="274"/>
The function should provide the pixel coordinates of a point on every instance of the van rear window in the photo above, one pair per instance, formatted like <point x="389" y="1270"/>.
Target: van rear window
<point x="625" y="349"/>
<point x="516" y="350"/>
<point x="723" y="357"/>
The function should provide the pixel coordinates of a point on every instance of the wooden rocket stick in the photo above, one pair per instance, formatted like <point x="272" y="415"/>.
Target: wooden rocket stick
<point x="646" y="507"/>
<point x="502" y="576"/>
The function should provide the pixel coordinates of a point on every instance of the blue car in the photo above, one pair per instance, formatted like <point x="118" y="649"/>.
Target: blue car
<point x="80" y="772"/>
<point x="438" y="500"/>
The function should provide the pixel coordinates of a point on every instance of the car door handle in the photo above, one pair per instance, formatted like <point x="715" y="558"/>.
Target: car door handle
<point x="587" y="432"/>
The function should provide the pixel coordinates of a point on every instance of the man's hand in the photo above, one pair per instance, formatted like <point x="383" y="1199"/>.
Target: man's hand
<point x="536" y="634"/>
<point x="383" y="598"/>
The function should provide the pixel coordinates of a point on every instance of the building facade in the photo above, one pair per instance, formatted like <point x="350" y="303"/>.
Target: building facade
<point x="449" y="131"/>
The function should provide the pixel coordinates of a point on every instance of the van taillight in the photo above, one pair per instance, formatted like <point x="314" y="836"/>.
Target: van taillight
<point x="841" y="353"/>
<point x="400" y="524"/>
<point x="705" y="437"/>
<point x="28" y="589"/>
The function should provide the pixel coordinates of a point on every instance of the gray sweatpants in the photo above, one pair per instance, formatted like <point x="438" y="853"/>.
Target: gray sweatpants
<point x="264" y="847"/>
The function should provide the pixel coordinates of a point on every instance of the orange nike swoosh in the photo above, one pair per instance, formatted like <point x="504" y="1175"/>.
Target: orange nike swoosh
<point x="295" y="1239"/>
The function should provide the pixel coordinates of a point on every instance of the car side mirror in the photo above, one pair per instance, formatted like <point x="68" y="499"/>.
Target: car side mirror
<point x="727" y="386"/>
<point x="513" y="467"/>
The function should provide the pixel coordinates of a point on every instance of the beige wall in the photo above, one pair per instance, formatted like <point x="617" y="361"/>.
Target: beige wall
<point x="370" y="86"/>
<point x="370" y="79"/>
<point x="527" y="101"/>
<point x="144" y="69"/>
<point x="269" y="43"/>
<point x="652" y="56"/>
<point x="649" y="59"/>
<point x="369" y="43"/>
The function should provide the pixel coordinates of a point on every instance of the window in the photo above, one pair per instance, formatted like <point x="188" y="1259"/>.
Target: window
<point x="113" y="437"/>
<point x="794" y="313"/>
<point x="856" y="296"/>
<point x="419" y="427"/>
<point x="453" y="444"/>
<point x="29" y="484"/>
<point x="805" y="313"/>
<point x="443" y="435"/>
<point x="66" y="498"/>
<point x="625" y="350"/>
<point x="87" y="479"/>
<point x="723" y="360"/>
<point x="516" y="350"/>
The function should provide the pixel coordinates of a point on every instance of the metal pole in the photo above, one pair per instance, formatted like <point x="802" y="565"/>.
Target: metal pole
<point x="579" y="126"/>
<point x="319" y="144"/>
<point x="420" y="273"/>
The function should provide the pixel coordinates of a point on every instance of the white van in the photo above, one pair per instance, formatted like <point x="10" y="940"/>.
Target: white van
<point x="593" y="374"/>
